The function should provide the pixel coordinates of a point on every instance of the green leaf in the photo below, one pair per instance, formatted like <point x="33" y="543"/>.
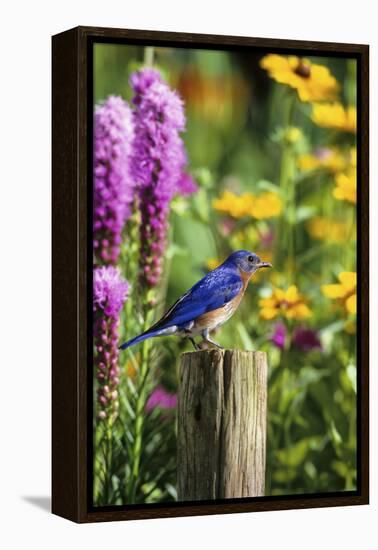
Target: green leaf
<point x="295" y="455"/>
<point x="244" y="336"/>
<point x="265" y="185"/>
<point x="352" y="375"/>
<point x="304" y="213"/>
<point x="203" y="177"/>
<point x="335" y="435"/>
<point x="284" y="475"/>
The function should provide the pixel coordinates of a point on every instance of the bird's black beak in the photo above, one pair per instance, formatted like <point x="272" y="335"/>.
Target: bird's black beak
<point x="264" y="264"/>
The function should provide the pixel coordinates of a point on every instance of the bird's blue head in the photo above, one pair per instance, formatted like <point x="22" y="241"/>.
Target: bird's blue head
<point x="246" y="261"/>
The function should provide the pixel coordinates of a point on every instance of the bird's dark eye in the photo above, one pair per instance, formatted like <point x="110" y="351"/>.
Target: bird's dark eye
<point x="250" y="258"/>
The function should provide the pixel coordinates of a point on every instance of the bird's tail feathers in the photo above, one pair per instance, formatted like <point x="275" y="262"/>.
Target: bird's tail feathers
<point x="145" y="335"/>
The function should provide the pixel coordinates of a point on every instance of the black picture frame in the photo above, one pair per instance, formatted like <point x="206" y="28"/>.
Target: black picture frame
<point x="72" y="102"/>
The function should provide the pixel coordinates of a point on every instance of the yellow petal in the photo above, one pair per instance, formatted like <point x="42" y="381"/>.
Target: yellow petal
<point x="300" y="311"/>
<point x="346" y="187"/>
<point x="274" y="62"/>
<point x="351" y="304"/>
<point x="292" y="294"/>
<point x="308" y="162"/>
<point x="267" y="302"/>
<point x="333" y="291"/>
<point x="348" y="279"/>
<point x="268" y="313"/>
<point x="334" y="115"/>
<point x="279" y="294"/>
<point x="338" y="193"/>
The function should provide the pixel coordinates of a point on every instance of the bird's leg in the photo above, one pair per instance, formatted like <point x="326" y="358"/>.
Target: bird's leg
<point x="196" y="347"/>
<point x="205" y="335"/>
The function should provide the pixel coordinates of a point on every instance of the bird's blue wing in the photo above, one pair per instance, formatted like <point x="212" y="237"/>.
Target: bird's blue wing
<point x="212" y="292"/>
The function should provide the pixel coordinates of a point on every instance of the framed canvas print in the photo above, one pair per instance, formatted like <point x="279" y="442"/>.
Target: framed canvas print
<point x="210" y="274"/>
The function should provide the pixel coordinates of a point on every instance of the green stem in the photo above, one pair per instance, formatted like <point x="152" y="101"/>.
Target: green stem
<point x="329" y="214"/>
<point x="149" y="56"/>
<point x="139" y="416"/>
<point x="286" y="245"/>
<point x="108" y="462"/>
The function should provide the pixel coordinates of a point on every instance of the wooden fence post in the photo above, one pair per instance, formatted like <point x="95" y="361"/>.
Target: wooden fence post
<point x="222" y="424"/>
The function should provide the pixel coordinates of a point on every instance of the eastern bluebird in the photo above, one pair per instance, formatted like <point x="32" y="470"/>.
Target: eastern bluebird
<point x="209" y="303"/>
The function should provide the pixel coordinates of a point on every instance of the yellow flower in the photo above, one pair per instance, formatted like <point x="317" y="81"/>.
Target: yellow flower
<point x="293" y="134"/>
<point x="346" y="186"/>
<point x="266" y="205"/>
<point x="335" y="115"/>
<point x="287" y="303"/>
<point x="344" y="291"/>
<point x="325" y="229"/>
<point x="212" y="263"/>
<point x="312" y="82"/>
<point x="234" y="205"/>
<point x="332" y="160"/>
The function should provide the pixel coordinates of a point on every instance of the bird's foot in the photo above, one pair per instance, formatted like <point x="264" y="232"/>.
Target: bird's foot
<point x="206" y="338"/>
<point x="208" y="341"/>
<point x="196" y="346"/>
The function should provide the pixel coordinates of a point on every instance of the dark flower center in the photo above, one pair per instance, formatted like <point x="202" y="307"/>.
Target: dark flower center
<point x="303" y="69"/>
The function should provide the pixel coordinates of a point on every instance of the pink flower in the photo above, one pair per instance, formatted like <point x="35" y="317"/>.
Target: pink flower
<point x="306" y="339"/>
<point x="279" y="335"/>
<point x="161" y="398"/>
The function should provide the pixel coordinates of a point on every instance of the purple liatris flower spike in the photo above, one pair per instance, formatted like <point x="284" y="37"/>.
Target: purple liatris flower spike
<point x="157" y="164"/>
<point x="306" y="339"/>
<point x="161" y="398"/>
<point x="279" y="335"/>
<point x="110" y="291"/>
<point x="113" y="185"/>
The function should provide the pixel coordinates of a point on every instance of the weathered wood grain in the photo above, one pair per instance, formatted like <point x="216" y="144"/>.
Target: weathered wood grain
<point x="222" y="424"/>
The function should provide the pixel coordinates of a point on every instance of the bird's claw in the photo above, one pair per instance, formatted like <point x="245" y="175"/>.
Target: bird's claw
<point x="196" y="346"/>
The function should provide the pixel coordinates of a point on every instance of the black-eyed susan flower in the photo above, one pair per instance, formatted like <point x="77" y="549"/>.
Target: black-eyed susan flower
<point x="326" y="229"/>
<point x="311" y="81"/>
<point x="344" y="291"/>
<point x="336" y="116"/>
<point x="289" y="303"/>
<point x="234" y="205"/>
<point x="264" y="206"/>
<point x="346" y="186"/>
<point x="330" y="159"/>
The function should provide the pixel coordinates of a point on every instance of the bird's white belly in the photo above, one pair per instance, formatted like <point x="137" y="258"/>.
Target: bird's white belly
<point x="212" y="320"/>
